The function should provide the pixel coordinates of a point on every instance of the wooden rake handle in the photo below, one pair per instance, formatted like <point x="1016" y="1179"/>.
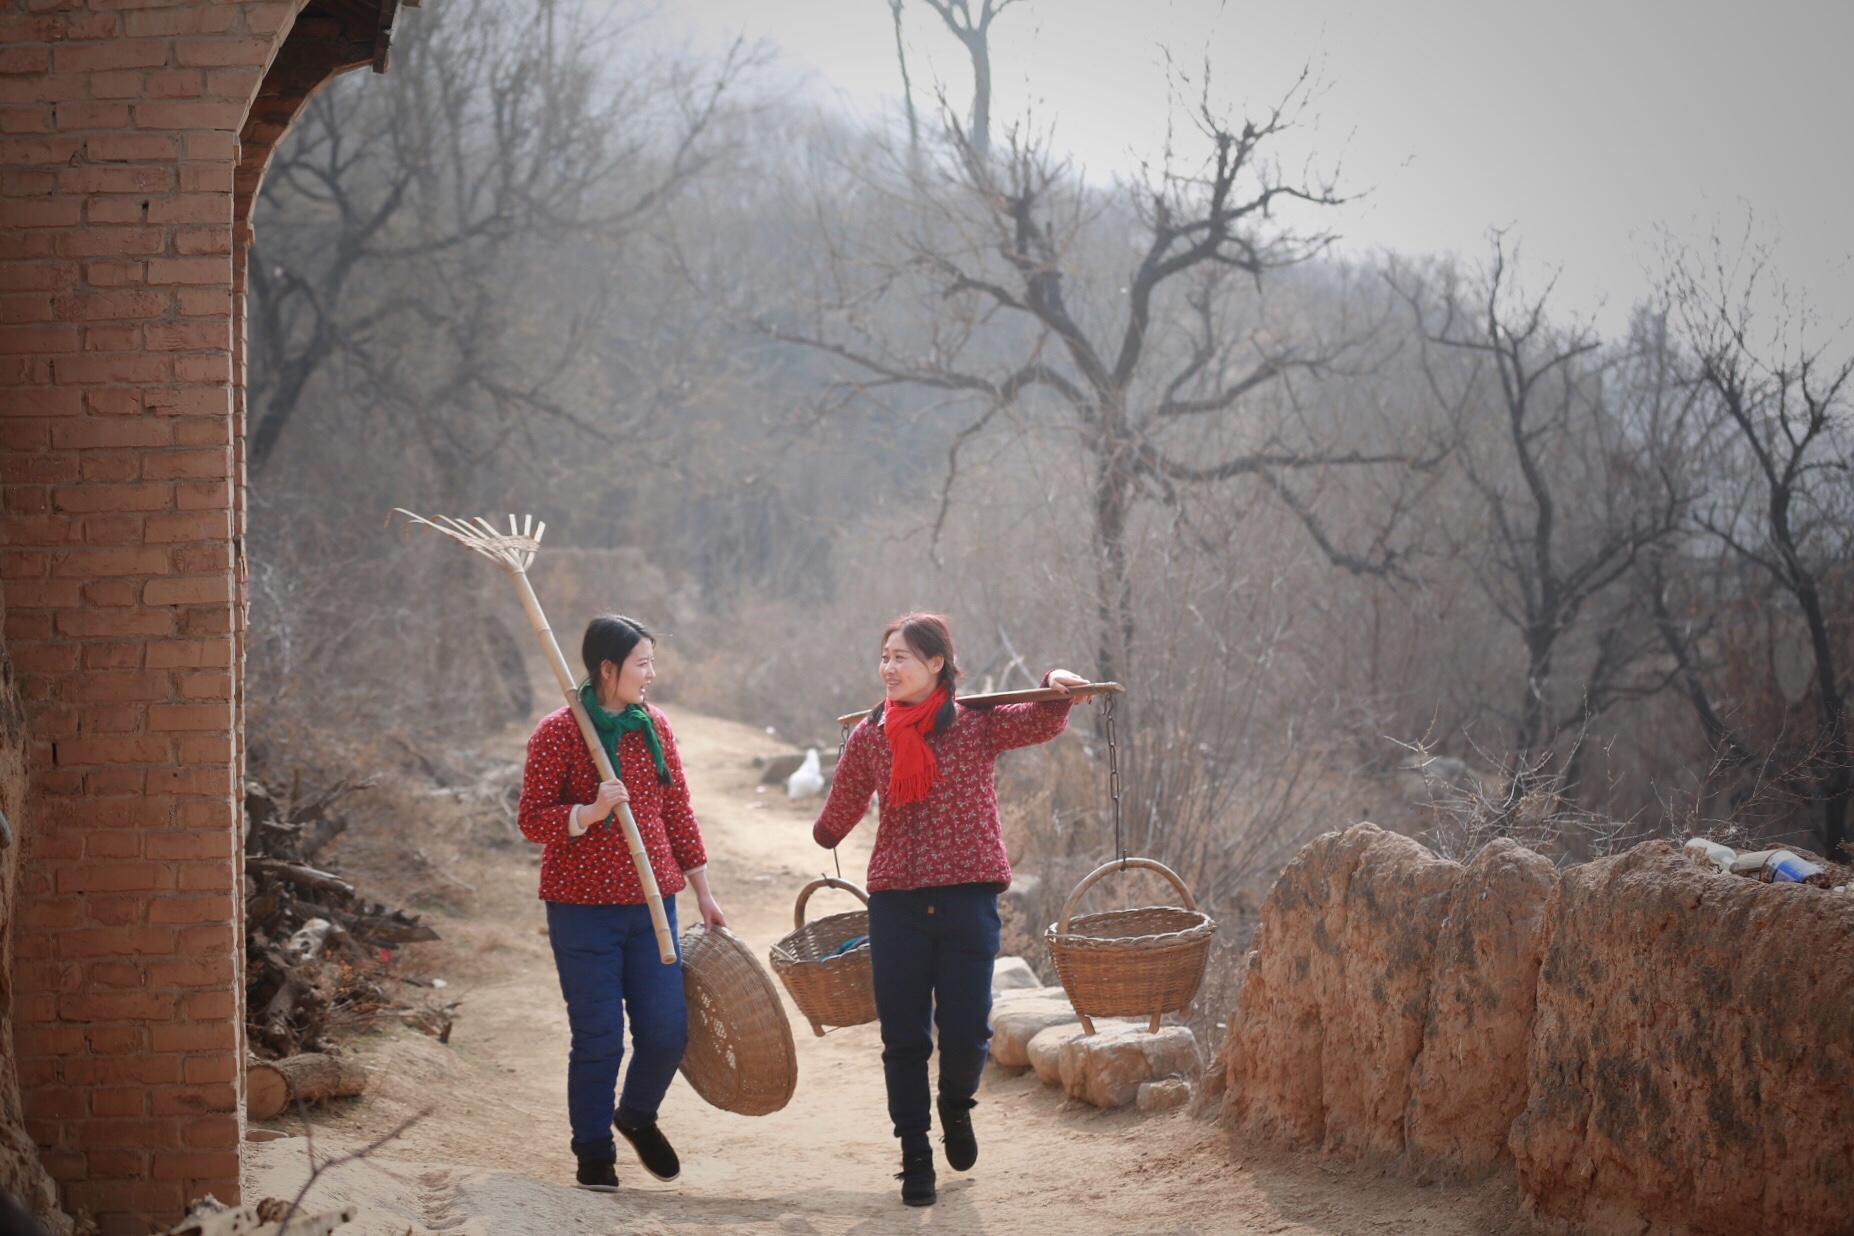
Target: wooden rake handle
<point x="1035" y="695"/>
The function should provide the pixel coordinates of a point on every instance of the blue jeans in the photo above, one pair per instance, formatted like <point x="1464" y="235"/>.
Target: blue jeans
<point x="931" y="951"/>
<point x="608" y="964"/>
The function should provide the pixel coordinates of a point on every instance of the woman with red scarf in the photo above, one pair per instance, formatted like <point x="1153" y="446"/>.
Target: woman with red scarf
<point x="934" y="878"/>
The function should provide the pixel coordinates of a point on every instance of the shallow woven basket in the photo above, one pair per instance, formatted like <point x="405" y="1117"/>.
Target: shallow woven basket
<point x="829" y="990"/>
<point x="740" y="1057"/>
<point x="1143" y="962"/>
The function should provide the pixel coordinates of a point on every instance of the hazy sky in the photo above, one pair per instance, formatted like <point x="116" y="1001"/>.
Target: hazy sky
<point x="1580" y="125"/>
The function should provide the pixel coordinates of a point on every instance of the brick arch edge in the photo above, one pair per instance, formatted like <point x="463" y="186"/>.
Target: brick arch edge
<point x="124" y="199"/>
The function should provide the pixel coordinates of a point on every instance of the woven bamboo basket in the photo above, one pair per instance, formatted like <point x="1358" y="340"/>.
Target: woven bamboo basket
<point x="741" y="1057"/>
<point x="1143" y="962"/>
<point x="830" y="988"/>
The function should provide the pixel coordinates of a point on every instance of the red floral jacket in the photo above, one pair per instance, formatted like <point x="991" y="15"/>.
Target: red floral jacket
<point x="595" y="868"/>
<point x="953" y="835"/>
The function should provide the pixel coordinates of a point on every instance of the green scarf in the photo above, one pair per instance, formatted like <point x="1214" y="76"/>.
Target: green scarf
<point x="612" y="725"/>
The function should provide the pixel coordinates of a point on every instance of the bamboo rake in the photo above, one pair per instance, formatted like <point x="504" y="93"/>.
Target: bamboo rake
<point x="514" y="552"/>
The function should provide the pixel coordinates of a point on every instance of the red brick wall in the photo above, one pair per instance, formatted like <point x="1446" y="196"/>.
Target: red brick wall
<point x="119" y="124"/>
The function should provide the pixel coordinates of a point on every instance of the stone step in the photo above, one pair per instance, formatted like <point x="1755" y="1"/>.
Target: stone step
<point x="1106" y="1069"/>
<point x="1013" y="974"/>
<point x="1045" y="1050"/>
<point x="1163" y="1095"/>
<point x="1017" y="1016"/>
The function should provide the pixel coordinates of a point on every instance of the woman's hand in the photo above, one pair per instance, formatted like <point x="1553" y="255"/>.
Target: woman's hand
<point x="711" y="912"/>
<point x="705" y="899"/>
<point x="581" y="819"/>
<point x="610" y="794"/>
<point x="1062" y="680"/>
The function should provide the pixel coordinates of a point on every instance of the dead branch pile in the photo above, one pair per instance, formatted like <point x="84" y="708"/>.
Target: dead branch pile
<point x="317" y="953"/>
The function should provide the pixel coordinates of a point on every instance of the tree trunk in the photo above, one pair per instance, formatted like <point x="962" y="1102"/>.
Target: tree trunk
<point x="1837" y="779"/>
<point x="981" y="97"/>
<point x="1534" y="718"/>
<point x="291" y="380"/>
<point x="907" y="92"/>
<point x="1112" y="499"/>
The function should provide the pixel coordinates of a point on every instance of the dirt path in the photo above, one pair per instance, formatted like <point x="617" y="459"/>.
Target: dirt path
<point x="489" y="1156"/>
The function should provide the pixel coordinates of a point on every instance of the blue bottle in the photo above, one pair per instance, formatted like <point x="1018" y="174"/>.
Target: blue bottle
<point x="1784" y="867"/>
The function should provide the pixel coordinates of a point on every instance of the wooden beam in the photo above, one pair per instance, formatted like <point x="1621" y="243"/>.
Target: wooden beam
<point x="1036" y="695"/>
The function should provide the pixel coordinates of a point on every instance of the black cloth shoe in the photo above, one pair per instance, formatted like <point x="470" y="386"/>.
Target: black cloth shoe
<point x="599" y="1177"/>
<point x="653" y="1149"/>
<point x="917" y="1178"/>
<point x="956" y="1134"/>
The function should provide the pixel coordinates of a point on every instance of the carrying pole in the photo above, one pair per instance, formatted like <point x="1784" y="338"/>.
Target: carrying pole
<point x="1035" y="695"/>
<point x="514" y="551"/>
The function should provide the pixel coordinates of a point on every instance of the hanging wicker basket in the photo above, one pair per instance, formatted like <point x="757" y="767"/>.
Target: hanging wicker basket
<point x="1143" y="962"/>
<point x="830" y="984"/>
<point x="740" y="1057"/>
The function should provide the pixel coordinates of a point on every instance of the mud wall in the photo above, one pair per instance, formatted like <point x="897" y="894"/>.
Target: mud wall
<point x="1648" y="1046"/>
<point x="21" y="1172"/>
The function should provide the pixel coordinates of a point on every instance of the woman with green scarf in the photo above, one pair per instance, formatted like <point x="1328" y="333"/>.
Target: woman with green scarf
<point x="604" y="946"/>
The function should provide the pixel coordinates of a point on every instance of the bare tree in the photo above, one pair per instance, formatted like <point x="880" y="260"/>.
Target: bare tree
<point x="410" y="213"/>
<point x="1785" y="509"/>
<point x="1569" y="483"/>
<point x="450" y="300"/>
<point x="1000" y="289"/>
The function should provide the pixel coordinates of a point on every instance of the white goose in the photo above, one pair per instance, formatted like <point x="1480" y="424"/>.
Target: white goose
<point x="808" y="780"/>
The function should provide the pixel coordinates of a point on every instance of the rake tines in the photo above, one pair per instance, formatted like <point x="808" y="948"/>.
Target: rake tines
<point x="513" y="550"/>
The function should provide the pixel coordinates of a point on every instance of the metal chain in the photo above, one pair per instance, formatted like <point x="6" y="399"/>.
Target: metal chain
<point x="1113" y="779"/>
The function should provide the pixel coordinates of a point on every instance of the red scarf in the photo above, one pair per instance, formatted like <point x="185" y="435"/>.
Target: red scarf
<point x="914" y="769"/>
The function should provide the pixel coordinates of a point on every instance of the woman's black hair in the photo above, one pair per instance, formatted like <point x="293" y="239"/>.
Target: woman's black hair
<point x="930" y="636"/>
<point x="610" y="637"/>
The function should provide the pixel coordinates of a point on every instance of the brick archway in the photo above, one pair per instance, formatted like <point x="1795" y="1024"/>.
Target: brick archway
<point x="132" y="142"/>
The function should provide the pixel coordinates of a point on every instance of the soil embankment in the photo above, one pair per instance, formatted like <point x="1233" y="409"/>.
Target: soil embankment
<point x="489" y="1156"/>
<point x="1651" y="1046"/>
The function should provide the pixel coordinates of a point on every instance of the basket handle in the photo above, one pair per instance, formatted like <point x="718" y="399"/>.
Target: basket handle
<point x="1149" y="864"/>
<point x="804" y="895"/>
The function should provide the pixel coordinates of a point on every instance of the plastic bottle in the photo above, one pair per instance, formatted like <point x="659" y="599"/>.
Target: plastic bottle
<point x="1784" y="867"/>
<point x="1711" y="854"/>
<point x="1751" y="863"/>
